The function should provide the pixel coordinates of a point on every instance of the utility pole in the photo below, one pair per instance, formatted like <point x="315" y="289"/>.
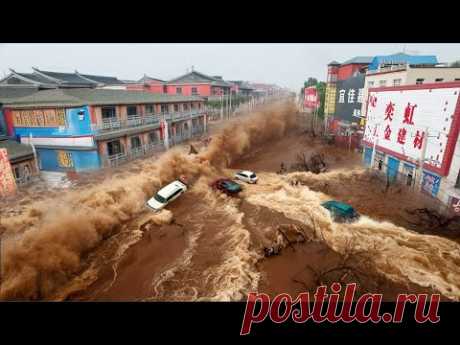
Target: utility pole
<point x="221" y="106"/>
<point x="422" y="156"/>
<point x="376" y="139"/>
<point x="230" y="101"/>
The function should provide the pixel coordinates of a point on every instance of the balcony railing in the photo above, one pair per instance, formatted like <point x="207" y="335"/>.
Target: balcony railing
<point x="112" y="124"/>
<point x="137" y="152"/>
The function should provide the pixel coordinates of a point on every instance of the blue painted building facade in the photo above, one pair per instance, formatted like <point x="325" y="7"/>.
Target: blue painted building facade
<point x="58" y="146"/>
<point x="77" y="130"/>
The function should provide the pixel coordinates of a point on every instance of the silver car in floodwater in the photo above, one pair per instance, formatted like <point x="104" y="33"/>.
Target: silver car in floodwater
<point x="166" y="195"/>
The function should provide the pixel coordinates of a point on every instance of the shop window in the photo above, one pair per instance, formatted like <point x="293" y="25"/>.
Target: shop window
<point x="135" y="142"/>
<point x="419" y="81"/>
<point x="114" y="148"/>
<point x="153" y="138"/>
<point x="108" y="113"/>
<point x="149" y="109"/>
<point x="131" y="110"/>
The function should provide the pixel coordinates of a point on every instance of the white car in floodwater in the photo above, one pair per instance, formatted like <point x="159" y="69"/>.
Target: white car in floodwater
<point x="167" y="194"/>
<point x="246" y="176"/>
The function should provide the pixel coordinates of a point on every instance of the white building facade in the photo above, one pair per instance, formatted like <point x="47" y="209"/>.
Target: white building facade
<point x="407" y="125"/>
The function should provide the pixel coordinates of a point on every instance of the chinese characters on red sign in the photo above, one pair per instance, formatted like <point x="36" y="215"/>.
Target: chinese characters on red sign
<point x="409" y="114"/>
<point x="402" y="132"/>
<point x="389" y="111"/>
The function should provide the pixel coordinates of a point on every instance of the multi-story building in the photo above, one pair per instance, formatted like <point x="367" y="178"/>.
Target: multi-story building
<point x="347" y="75"/>
<point x="75" y="130"/>
<point x="148" y="84"/>
<point x="20" y="156"/>
<point x="241" y="88"/>
<point x="403" y="69"/>
<point x="198" y="84"/>
<point x="412" y="134"/>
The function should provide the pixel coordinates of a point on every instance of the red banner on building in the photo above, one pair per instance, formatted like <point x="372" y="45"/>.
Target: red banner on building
<point x="311" y="98"/>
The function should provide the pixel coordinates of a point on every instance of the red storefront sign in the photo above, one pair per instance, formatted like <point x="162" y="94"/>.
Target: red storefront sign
<point x="311" y="99"/>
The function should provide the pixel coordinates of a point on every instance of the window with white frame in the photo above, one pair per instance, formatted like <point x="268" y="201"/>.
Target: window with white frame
<point x="382" y="83"/>
<point x="397" y="82"/>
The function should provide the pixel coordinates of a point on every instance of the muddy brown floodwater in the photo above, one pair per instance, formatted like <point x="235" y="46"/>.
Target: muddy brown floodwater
<point x="99" y="242"/>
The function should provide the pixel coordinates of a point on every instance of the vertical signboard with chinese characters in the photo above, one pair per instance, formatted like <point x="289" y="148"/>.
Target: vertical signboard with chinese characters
<point x="400" y="118"/>
<point x="349" y="99"/>
<point x="7" y="181"/>
<point x="329" y="106"/>
<point x="311" y="100"/>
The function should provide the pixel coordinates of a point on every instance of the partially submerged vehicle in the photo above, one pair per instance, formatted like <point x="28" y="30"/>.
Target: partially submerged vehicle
<point x="341" y="212"/>
<point x="246" y="176"/>
<point x="227" y="186"/>
<point x="167" y="194"/>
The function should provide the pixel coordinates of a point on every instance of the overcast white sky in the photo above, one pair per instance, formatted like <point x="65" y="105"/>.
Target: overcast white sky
<point x="287" y="65"/>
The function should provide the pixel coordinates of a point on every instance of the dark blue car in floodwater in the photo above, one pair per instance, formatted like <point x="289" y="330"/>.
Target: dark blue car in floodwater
<point x="341" y="212"/>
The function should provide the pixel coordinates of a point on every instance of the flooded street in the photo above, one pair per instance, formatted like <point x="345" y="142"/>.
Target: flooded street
<point x="99" y="242"/>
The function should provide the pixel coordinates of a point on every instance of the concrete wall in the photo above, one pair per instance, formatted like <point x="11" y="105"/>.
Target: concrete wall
<point x="376" y="78"/>
<point x="431" y="74"/>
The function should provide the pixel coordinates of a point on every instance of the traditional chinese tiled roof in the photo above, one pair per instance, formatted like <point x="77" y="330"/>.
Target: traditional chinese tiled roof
<point x="85" y="96"/>
<point x="102" y="79"/>
<point x="64" y="78"/>
<point x="11" y="92"/>
<point x="197" y="77"/>
<point x="146" y="78"/>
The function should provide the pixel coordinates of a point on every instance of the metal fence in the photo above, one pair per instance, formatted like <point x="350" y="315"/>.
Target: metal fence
<point x="150" y="149"/>
<point x="138" y="152"/>
<point x="110" y="124"/>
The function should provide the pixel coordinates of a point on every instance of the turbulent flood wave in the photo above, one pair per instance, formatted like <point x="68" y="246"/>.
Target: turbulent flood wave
<point x="58" y="245"/>
<point x="400" y="254"/>
<point x="43" y="247"/>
